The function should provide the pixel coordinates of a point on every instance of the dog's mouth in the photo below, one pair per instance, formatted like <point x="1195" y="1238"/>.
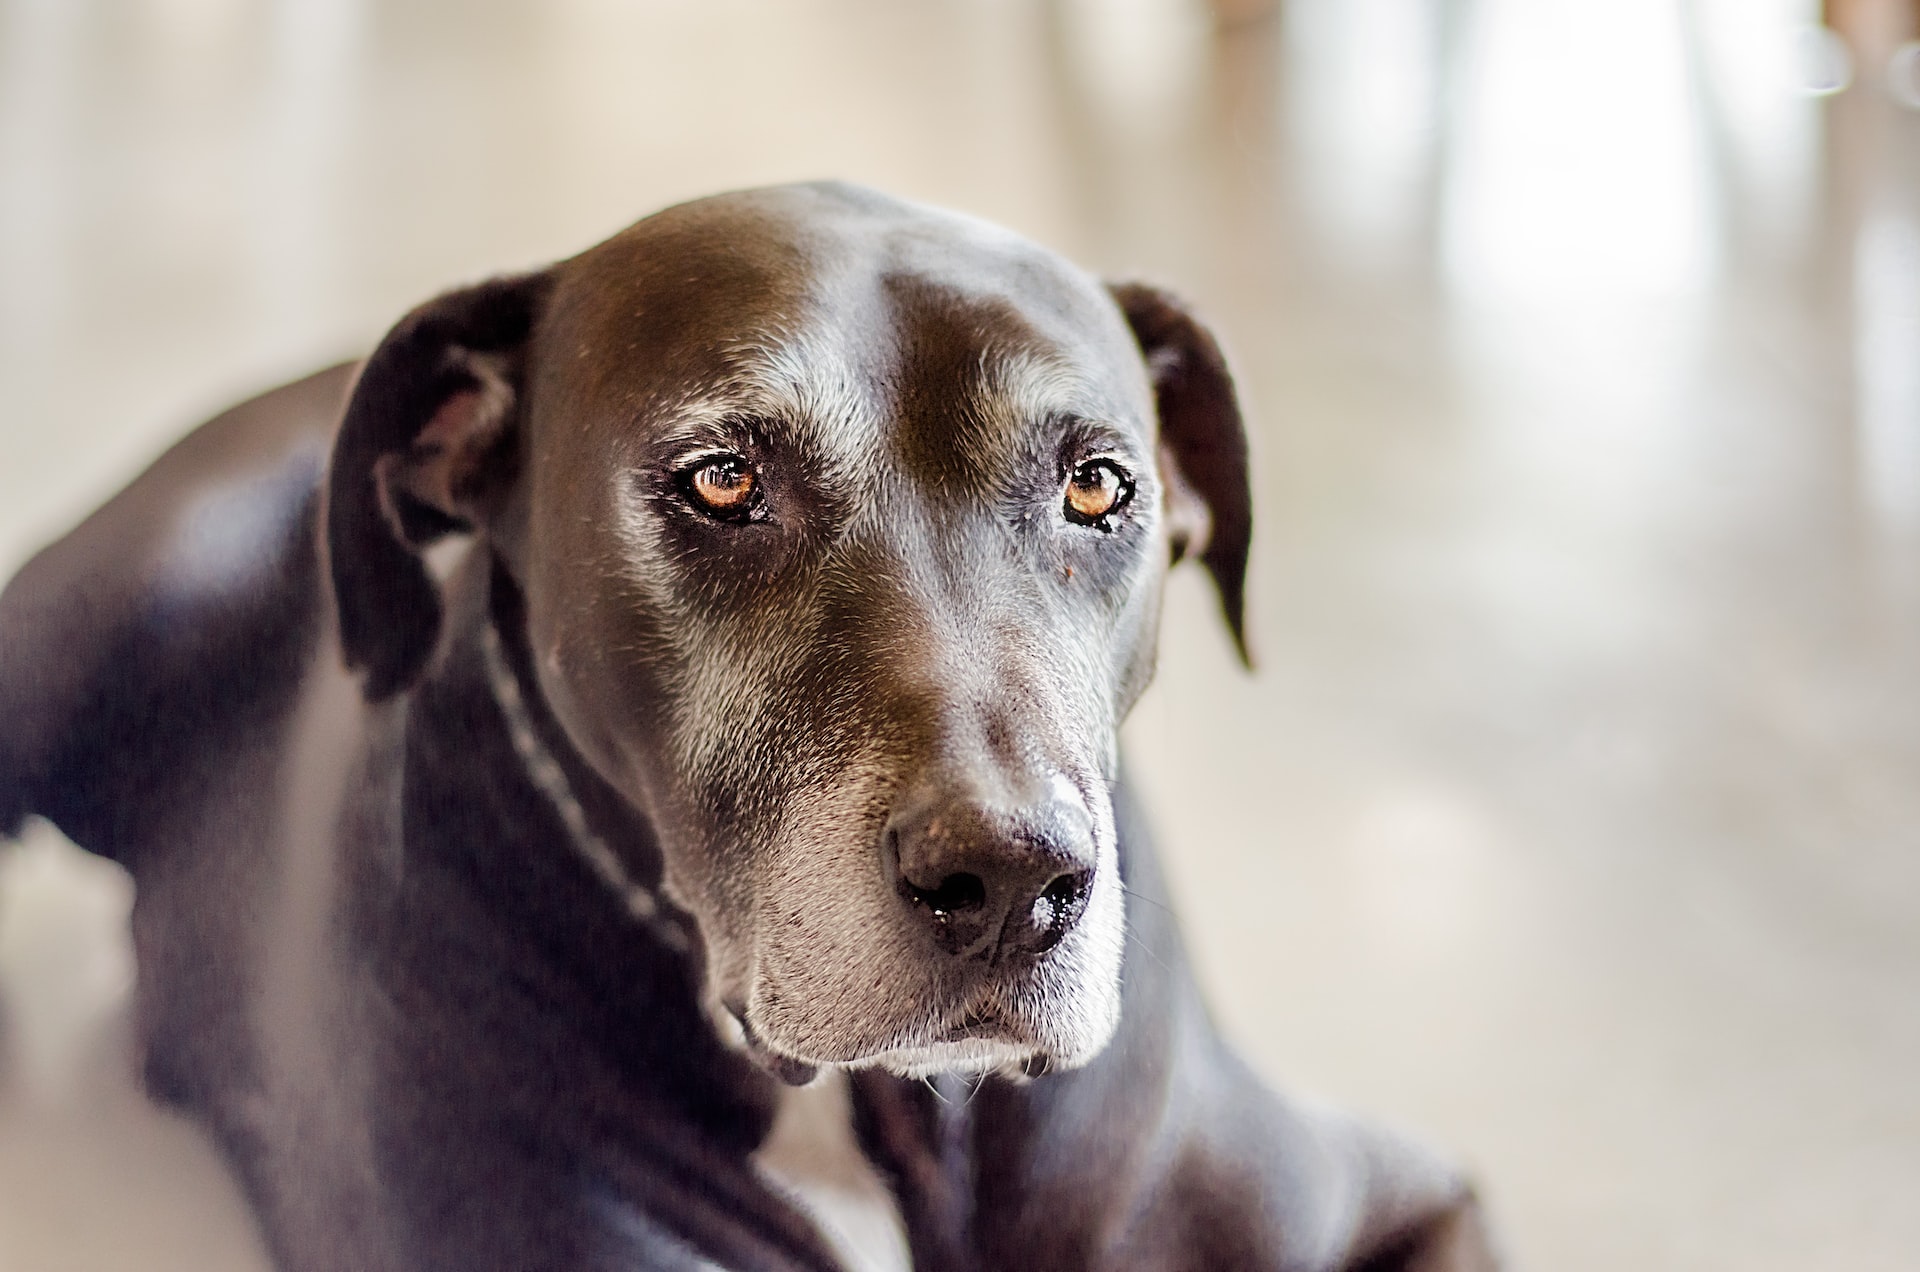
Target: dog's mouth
<point x="977" y="1024"/>
<point x="981" y="1040"/>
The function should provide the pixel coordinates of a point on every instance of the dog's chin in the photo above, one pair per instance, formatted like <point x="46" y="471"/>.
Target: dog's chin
<point x="968" y="1057"/>
<point x="976" y="1046"/>
<point x="982" y="1040"/>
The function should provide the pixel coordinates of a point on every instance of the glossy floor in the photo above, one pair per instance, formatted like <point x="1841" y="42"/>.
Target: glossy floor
<point x="1573" y="813"/>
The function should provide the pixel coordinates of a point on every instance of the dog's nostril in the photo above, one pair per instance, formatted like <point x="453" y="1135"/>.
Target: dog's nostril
<point x="1056" y="908"/>
<point x="984" y="881"/>
<point x="1063" y="893"/>
<point x="956" y="894"/>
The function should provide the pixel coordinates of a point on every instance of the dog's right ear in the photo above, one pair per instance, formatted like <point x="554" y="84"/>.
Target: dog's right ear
<point x="428" y="447"/>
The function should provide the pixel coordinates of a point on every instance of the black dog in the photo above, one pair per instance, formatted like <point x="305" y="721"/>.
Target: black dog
<point x="766" y="728"/>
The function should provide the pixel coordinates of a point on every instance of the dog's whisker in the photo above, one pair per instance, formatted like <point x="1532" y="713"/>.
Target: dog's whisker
<point x="1147" y="949"/>
<point x="1141" y="896"/>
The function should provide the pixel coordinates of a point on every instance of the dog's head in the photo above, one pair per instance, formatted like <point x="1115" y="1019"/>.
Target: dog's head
<point x="841" y="525"/>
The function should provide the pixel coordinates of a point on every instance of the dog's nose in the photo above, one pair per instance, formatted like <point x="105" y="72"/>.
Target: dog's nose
<point x="989" y="880"/>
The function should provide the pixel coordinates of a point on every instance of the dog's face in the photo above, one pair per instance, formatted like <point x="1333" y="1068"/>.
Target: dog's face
<point x="840" y="525"/>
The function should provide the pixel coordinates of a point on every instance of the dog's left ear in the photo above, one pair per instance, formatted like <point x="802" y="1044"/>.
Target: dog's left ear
<point x="428" y="447"/>
<point x="1203" y="445"/>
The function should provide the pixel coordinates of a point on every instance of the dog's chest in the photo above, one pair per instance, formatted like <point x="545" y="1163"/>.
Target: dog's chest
<point x="813" y="1157"/>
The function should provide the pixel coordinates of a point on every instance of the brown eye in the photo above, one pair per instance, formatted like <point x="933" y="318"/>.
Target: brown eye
<point x="723" y="486"/>
<point x="1097" y="490"/>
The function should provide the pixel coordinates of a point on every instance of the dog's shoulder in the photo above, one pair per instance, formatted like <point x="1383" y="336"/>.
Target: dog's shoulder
<point x="128" y="644"/>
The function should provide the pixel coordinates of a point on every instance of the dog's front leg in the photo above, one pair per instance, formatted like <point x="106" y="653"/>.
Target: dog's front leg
<point x="1166" y="1153"/>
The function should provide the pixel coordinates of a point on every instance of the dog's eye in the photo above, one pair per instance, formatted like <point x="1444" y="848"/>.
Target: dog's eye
<point x="722" y="486"/>
<point x="1098" y="489"/>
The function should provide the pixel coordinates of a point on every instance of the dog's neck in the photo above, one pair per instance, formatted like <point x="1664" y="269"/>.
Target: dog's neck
<point x="568" y="783"/>
<point x="509" y="680"/>
<point x="478" y="721"/>
<point x="517" y="853"/>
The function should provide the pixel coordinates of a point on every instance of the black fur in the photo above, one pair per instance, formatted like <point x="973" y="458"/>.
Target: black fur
<point x="376" y="958"/>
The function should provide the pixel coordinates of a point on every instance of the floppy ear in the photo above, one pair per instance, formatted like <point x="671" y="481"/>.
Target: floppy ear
<point x="1203" y="447"/>
<point x="428" y="447"/>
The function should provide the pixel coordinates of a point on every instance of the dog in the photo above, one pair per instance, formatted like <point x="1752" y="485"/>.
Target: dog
<point x="653" y="689"/>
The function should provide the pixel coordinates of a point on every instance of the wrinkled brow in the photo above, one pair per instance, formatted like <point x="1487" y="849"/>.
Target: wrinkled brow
<point x="1029" y="385"/>
<point x="806" y="397"/>
<point x="1026" y="397"/>
<point x="797" y="395"/>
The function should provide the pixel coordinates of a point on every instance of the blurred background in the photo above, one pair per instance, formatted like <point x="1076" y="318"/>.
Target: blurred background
<point x="1573" y="816"/>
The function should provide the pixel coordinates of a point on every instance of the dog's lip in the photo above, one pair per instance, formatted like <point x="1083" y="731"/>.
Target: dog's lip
<point x="980" y="1024"/>
<point x="990" y="1014"/>
<point x="789" y="1069"/>
<point x="975" y="1025"/>
<point x="974" y="1028"/>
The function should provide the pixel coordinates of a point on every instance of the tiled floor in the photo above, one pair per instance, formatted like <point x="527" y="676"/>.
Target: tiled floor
<point x="1573" y="815"/>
